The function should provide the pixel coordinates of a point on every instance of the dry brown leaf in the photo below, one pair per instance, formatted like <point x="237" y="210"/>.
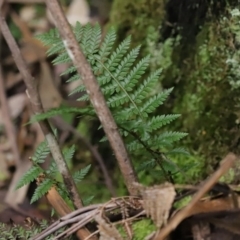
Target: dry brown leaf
<point x="107" y="230"/>
<point x="157" y="202"/>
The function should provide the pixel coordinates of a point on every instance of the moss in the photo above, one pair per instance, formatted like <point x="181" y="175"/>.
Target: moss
<point x="206" y="97"/>
<point x="137" y="18"/>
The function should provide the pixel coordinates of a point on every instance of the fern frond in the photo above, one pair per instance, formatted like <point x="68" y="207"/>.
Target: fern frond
<point x="78" y="176"/>
<point x="95" y="40"/>
<point x="73" y="78"/>
<point x="57" y="111"/>
<point x="86" y="38"/>
<point x="69" y="70"/>
<point x="166" y="139"/>
<point x="56" y="48"/>
<point x="158" y="121"/>
<point x="134" y="146"/>
<point x="52" y="170"/>
<point x="147" y="86"/>
<point x="41" y="152"/>
<point x="147" y="165"/>
<point x="78" y="89"/>
<point x="68" y="153"/>
<point x="88" y="200"/>
<point x="130" y="98"/>
<point x="78" y="31"/>
<point x="107" y="45"/>
<point x="29" y="176"/>
<point x="154" y="102"/>
<point x="177" y="151"/>
<point x="42" y="189"/>
<point x="49" y="38"/>
<point x="62" y="58"/>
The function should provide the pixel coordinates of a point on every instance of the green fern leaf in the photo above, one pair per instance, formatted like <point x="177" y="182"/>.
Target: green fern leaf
<point x="107" y="45"/>
<point x="147" y="87"/>
<point x="69" y="70"/>
<point x="88" y="200"/>
<point x="57" y="111"/>
<point x="95" y="40"/>
<point x="68" y="153"/>
<point x="29" y="176"/>
<point x="57" y="47"/>
<point x="155" y="102"/>
<point x="49" y="38"/>
<point x="42" y="189"/>
<point x="177" y="151"/>
<point x="79" y="175"/>
<point x="158" y="121"/>
<point x="147" y="165"/>
<point x="166" y="139"/>
<point x="78" y="31"/>
<point x="73" y="78"/>
<point x="130" y="98"/>
<point x="134" y="146"/>
<point x="41" y="152"/>
<point x="62" y="58"/>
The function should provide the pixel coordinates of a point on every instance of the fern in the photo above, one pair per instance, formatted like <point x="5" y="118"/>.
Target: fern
<point x="48" y="178"/>
<point x="79" y="175"/>
<point x="41" y="153"/>
<point x="68" y="154"/>
<point x="130" y="94"/>
<point x="42" y="189"/>
<point x="28" y="232"/>
<point x="29" y="176"/>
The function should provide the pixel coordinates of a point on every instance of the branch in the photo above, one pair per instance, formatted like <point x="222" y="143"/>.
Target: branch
<point x="95" y="94"/>
<point x="36" y="104"/>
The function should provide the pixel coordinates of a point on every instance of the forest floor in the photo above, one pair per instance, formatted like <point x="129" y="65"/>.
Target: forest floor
<point x="209" y="210"/>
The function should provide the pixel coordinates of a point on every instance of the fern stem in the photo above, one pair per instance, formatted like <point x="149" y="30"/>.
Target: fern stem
<point x="95" y="94"/>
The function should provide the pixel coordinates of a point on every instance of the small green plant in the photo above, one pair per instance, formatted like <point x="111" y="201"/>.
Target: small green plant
<point x="50" y="177"/>
<point x="23" y="233"/>
<point x="131" y="95"/>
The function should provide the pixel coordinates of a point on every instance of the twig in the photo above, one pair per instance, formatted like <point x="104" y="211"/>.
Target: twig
<point x="227" y="163"/>
<point x="60" y="123"/>
<point x="83" y="219"/>
<point x="95" y="94"/>
<point x="34" y="98"/>
<point x="10" y="129"/>
<point x="82" y="215"/>
<point x="63" y="209"/>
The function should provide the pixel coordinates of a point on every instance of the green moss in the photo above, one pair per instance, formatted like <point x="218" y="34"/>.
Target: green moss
<point x="209" y="92"/>
<point x="137" y="18"/>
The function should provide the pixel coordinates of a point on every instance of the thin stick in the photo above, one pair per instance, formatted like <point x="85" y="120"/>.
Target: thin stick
<point x="95" y="94"/>
<point x="10" y="129"/>
<point x="227" y="163"/>
<point x="36" y="104"/>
